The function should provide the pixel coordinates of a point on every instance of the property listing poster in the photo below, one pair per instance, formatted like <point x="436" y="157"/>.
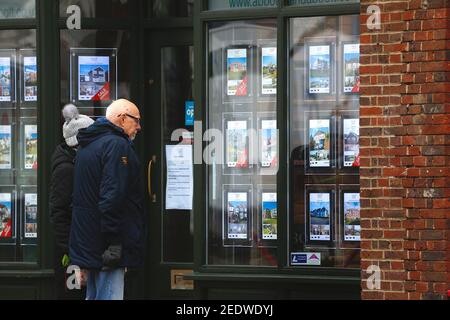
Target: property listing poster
<point x="319" y="216"/>
<point x="30" y="78"/>
<point x="269" y="143"/>
<point x="237" y="215"/>
<point x="352" y="221"/>
<point x="269" y="216"/>
<point x="319" y="69"/>
<point x="94" y="78"/>
<point x="30" y="215"/>
<point x="269" y="70"/>
<point x="351" y="142"/>
<point x="237" y="77"/>
<point x="5" y="147"/>
<point x="351" y="67"/>
<point x="5" y="79"/>
<point x="5" y="216"/>
<point x="319" y="142"/>
<point x="237" y="144"/>
<point x="31" y="139"/>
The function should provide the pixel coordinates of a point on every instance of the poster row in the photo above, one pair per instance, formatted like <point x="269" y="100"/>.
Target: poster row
<point x="8" y="218"/>
<point x="29" y="148"/>
<point x="319" y="144"/>
<point x="241" y="143"/>
<point x="237" y="219"/>
<point x="18" y="69"/>
<point x="319" y="74"/>
<point x="319" y="216"/>
<point x="93" y="75"/>
<point x="320" y="208"/>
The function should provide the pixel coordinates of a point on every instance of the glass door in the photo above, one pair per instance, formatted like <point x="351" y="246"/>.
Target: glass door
<point x="168" y="139"/>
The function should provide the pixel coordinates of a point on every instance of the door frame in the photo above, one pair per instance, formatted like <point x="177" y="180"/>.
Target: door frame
<point x="157" y="273"/>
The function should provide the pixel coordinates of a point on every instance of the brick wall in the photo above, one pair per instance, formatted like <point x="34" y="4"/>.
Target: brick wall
<point x="405" y="133"/>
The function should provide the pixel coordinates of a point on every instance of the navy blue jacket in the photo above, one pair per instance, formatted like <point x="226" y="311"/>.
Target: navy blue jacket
<point x="107" y="198"/>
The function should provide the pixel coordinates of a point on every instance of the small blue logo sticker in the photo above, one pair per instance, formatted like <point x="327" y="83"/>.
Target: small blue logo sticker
<point x="189" y="107"/>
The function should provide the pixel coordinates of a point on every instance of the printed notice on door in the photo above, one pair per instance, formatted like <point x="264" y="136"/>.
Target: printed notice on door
<point x="179" y="189"/>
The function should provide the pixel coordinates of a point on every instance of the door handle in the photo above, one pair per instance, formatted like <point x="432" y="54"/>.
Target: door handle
<point x="149" y="176"/>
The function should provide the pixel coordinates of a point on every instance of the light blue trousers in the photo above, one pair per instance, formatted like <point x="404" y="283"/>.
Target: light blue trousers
<point x="105" y="285"/>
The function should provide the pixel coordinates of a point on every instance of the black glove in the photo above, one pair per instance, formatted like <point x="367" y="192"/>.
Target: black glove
<point x="111" y="257"/>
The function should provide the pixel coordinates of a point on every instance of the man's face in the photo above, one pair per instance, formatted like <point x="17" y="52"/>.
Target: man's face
<point x="131" y="123"/>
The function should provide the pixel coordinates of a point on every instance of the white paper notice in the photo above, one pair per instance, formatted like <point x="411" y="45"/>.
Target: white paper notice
<point x="180" y="187"/>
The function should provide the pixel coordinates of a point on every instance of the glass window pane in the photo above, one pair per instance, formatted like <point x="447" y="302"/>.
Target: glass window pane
<point x="18" y="146"/>
<point x="17" y="9"/>
<point x="242" y="157"/>
<point x="98" y="8"/>
<point x="172" y="8"/>
<point x="324" y="141"/>
<point x="241" y="4"/>
<point x="177" y="65"/>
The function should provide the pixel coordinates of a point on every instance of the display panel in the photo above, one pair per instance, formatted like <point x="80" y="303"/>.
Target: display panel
<point x="351" y="67"/>
<point x="269" y="143"/>
<point x="237" y="216"/>
<point x="319" y="143"/>
<point x="268" y="70"/>
<point x="269" y="216"/>
<point x="319" y="216"/>
<point x="351" y="142"/>
<point x="241" y="106"/>
<point x="237" y="144"/>
<point x="5" y="147"/>
<point x="30" y="219"/>
<point x="7" y="77"/>
<point x="6" y="217"/>
<point x="352" y="220"/>
<point x="29" y="74"/>
<point x="237" y="75"/>
<point x="30" y="146"/>
<point x="320" y="67"/>
<point x="93" y="76"/>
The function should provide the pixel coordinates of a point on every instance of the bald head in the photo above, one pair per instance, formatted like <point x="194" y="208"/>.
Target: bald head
<point x="125" y="114"/>
<point x="120" y="107"/>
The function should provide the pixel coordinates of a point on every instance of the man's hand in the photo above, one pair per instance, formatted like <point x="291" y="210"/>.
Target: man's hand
<point x="111" y="257"/>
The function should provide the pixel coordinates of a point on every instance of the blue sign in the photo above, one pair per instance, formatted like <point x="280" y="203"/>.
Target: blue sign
<point x="299" y="258"/>
<point x="189" y="116"/>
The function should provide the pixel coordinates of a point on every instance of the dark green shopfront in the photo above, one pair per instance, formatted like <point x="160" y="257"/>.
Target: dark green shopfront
<point x="273" y="210"/>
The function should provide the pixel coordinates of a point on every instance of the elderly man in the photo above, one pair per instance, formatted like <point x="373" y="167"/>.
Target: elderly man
<point x="107" y="234"/>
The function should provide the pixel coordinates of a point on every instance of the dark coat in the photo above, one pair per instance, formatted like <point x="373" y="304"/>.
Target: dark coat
<point x="61" y="189"/>
<point x="107" y="199"/>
